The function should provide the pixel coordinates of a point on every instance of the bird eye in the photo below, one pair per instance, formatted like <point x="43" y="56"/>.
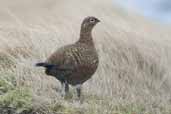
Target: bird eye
<point x="92" y="20"/>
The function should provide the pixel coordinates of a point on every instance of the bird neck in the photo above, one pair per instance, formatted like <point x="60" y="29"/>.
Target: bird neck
<point x="86" y="36"/>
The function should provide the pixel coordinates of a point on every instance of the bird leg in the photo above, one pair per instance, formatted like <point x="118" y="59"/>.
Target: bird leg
<point x="62" y="89"/>
<point x="65" y="88"/>
<point x="78" y="89"/>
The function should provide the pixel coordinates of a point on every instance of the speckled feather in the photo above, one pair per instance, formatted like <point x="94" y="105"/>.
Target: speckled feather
<point x="79" y="62"/>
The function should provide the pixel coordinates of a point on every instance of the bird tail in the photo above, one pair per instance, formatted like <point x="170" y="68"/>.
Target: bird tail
<point x="42" y="64"/>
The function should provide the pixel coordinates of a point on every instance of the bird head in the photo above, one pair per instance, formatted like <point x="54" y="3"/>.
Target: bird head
<point x="89" y="22"/>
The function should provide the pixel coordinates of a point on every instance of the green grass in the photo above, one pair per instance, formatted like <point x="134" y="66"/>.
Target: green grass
<point x="19" y="98"/>
<point x="7" y="82"/>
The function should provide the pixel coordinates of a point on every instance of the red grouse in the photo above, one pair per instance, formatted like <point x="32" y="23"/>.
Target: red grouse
<point x="76" y="63"/>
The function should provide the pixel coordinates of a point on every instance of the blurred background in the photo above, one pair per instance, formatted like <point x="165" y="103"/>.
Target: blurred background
<point x="156" y="10"/>
<point x="159" y="10"/>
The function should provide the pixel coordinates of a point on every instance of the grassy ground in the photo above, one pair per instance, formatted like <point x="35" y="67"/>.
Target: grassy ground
<point x="135" y="59"/>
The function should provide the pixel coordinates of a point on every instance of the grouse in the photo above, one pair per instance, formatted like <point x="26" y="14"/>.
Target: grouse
<point x="75" y="63"/>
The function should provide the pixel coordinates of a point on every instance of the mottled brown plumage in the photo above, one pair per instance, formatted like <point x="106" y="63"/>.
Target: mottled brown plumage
<point x="76" y="63"/>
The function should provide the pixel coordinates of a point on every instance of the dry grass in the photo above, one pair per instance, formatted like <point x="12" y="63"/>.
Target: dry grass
<point x="135" y="57"/>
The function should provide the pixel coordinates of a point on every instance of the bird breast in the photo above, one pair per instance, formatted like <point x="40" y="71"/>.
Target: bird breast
<point x="83" y="56"/>
<point x="84" y="61"/>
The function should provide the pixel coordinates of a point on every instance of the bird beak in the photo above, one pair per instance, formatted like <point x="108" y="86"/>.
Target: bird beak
<point x="98" y="20"/>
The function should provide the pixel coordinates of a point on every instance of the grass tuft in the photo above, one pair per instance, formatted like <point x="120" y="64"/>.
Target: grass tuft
<point x="6" y="61"/>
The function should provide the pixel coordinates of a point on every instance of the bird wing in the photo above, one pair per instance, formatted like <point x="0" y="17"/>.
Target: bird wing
<point x="62" y="58"/>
